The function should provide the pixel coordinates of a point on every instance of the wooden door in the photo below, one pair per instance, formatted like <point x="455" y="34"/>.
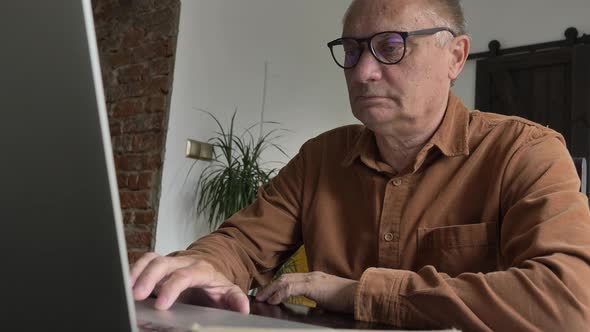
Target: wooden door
<point x="549" y="87"/>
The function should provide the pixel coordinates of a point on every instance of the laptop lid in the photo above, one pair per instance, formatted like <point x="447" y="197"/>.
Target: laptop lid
<point x="64" y="263"/>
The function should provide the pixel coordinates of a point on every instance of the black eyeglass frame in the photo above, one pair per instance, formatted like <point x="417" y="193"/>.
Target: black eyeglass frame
<point x="368" y="40"/>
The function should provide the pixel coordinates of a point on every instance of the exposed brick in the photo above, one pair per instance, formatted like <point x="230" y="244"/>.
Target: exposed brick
<point x="123" y="143"/>
<point x="142" y="54"/>
<point x="137" y="181"/>
<point x="118" y="59"/>
<point x="126" y="91"/>
<point x="115" y="127"/>
<point x="161" y="4"/>
<point x="127" y="107"/>
<point x="123" y="180"/>
<point x="160" y="66"/>
<point x="100" y="6"/>
<point x="142" y="6"/>
<point x="162" y="31"/>
<point x="139" y="239"/>
<point x="135" y="199"/>
<point x="138" y="162"/>
<point x="132" y="181"/>
<point x="151" y="19"/>
<point x="147" y="142"/>
<point x="132" y="73"/>
<point x="108" y="76"/>
<point x="137" y="41"/>
<point x="144" y="217"/>
<point x="102" y="33"/>
<point x="142" y="123"/>
<point x="103" y="11"/>
<point x="128" y="217"/>
<point x="151" y="162"/>
<point x="137" y="143"/>
<point x="159" y="84"/>
<point x="133" y="37"/>
<point x="156" y="103"/>
<point x="137" y="89"/>
<point x="129" y="162"/>
<point x="149" y="51"/>
<point x="110" y="45"/>
<point x="133" y="254"/>
<point x="145" y="180"/>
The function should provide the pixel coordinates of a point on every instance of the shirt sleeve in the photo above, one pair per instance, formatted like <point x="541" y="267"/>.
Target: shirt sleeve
<point x="544" y="250"/>
<point x="254" y="241"/>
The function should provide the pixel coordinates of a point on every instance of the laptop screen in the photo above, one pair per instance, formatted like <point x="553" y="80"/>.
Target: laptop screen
<point x="62" y="240"/>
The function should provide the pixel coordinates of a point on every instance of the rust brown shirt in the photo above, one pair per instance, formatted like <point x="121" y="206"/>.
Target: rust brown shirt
<point x="486" y="230"/>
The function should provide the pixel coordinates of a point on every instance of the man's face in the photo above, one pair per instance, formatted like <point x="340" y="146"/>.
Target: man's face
<point x="398" y="98"/>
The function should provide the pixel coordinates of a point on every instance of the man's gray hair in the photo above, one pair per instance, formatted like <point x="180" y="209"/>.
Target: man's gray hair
<point x="454" y="13"/>
<point x="446" y="13"/>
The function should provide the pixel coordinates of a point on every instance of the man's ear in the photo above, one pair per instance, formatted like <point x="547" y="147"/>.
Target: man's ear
<point x="459" y="49"/>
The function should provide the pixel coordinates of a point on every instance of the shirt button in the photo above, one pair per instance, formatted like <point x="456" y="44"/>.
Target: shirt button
<point x="397" y="182"/>
<point x="389" y="237"/>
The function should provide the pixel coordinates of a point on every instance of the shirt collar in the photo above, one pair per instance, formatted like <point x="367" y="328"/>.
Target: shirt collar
<point x="451" y="138"/>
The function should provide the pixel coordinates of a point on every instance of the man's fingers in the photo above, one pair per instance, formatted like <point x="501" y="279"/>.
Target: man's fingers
<point x="268" y="291"/>
<point x="291" y="284"/>
<point x="140" y="265"/>
<point x="157" y="269"/>
<point x="199" y="276"/>
<point x="179" y="281"/>
<point x="236" y="300"/>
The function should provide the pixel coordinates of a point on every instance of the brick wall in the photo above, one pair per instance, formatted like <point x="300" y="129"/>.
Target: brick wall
<point x="137" y="42"/>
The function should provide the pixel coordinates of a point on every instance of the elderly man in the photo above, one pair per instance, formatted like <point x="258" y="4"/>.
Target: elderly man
<point x="429" y="215"/>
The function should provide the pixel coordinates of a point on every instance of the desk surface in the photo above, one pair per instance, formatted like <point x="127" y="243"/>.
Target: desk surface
<point x="313" y="316"/>
<point x="262" y="316"/>
<point x="184" y="316"/>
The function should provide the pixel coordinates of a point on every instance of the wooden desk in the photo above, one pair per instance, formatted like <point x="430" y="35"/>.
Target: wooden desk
<point x="263" y="317"/>
<point x="313" y="316"/>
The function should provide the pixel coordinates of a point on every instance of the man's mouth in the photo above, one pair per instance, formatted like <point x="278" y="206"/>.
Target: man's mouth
<point x="370" y="98"/>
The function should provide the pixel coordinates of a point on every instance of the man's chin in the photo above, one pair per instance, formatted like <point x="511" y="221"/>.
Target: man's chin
<point x="375" y="116"/>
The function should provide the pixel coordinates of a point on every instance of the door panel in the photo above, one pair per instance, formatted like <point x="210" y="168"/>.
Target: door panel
<point x="549" y="87"/>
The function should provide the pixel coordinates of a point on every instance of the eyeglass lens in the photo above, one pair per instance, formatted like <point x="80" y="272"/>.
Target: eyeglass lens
<point x="388" y="48"/>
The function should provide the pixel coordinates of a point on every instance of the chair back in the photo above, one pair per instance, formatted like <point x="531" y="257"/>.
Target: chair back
<point x="582" y="170"/>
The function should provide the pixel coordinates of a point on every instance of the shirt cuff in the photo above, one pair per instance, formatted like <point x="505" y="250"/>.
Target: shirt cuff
<point x="378" y="299"/>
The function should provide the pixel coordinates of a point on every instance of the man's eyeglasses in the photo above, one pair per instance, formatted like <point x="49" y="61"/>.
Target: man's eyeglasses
<point x="388" y="47"/>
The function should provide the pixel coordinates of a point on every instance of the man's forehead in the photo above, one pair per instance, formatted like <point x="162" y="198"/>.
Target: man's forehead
<point x="399" y="15"/>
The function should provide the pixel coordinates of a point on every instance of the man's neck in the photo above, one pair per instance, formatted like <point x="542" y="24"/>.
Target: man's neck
<point x="400" y="152"/>
<point x="399" y="148"/>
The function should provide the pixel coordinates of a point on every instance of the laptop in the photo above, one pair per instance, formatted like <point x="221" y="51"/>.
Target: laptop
<point x="64" y="264"/>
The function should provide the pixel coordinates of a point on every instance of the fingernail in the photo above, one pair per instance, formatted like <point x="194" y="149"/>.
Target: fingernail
<point x="138" y="291"/>
<point x="162" y="303"/>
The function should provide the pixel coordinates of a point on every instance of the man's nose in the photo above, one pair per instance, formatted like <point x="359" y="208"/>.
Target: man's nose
<point x="368" y="68"/>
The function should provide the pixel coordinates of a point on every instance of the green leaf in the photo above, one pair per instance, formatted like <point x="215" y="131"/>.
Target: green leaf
<point x="232" y="179"/>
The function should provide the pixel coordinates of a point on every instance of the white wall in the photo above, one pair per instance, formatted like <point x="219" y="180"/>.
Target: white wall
<point x="222" y="47"/>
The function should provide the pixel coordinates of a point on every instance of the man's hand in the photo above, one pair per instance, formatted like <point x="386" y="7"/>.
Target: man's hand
<point x="328" y="291"/>
<point x="185" y="279"/>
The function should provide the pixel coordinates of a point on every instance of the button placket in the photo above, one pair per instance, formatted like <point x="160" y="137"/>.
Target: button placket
<point x="396" y="195"/>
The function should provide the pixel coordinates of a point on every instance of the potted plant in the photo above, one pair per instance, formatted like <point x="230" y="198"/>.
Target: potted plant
<point x="231" y="181"/>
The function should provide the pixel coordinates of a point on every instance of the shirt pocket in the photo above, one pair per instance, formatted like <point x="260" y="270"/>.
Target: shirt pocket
<point x="460" y="248"/>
